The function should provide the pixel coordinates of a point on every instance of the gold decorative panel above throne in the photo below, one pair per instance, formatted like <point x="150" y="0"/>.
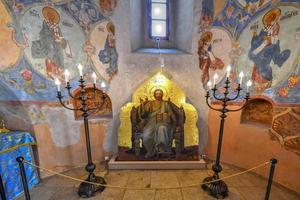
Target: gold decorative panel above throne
<point x="170" y="90"/>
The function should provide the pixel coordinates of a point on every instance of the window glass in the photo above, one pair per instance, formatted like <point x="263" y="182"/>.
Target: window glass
<point x="158" y="18"/>
<point x="158" y="28"/>
<point x="159" y="1"/>
<point x="159" y="11"/>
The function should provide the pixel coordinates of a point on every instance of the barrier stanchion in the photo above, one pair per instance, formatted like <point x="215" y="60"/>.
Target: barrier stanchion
<point x="145" y="188"/>
<point x="2" y="192"/>
<point x="23" y="176"/>
<point x="270" y="181"/>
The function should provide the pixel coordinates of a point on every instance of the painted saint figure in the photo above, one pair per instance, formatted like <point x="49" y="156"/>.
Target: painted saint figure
<point x="109" y="54"/>
<point x="107" y="6"/>
<point x="207" y="60"/>
<point x="207" y="15"/>
<point x="51" y="44"/>
<point x="265" y="49"/>
<point x="157" y="117"/>
<point x="84" y="19"/>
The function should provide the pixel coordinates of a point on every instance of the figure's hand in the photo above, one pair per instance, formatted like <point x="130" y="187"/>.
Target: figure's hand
<point x="267" y="39"/>
<point x="58" y="39"/>
<point x="254" y="33"/>
<point x="61" y="41"/>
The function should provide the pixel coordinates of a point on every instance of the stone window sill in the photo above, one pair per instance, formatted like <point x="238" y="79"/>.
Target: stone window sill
<point x="162" y="51"/>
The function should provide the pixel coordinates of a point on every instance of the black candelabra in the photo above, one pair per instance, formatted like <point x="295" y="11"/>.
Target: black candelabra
<point x="218" y="188"/>
<point x="85" y="189"/>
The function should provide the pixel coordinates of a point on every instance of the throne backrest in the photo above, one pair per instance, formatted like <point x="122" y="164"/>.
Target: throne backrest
<point x="179" y="113"/>
<point x="178" y="127"/>
<point x="129" y="112"/>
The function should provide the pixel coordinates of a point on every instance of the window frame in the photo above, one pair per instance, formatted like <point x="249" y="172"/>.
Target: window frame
<point x="149" y="16"/>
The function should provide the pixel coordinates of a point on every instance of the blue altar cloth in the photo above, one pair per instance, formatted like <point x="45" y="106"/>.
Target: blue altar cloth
<point x="12" y="145"/>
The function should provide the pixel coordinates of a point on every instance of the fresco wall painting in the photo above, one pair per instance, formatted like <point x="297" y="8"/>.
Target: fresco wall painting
<point x="42" y="39"/>
<point x="263" y="42"/>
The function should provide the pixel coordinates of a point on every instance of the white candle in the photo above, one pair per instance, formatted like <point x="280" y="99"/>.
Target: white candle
<point x="67" y="76"/>
<point x="80" y="68"/>
<point x="103" y="85"/>
<point x="57" y="83"/>
<point x="249" y="83"/>
<point x="228" y="71"/>
<point x="94" y="77"/>
<point x="209" y="85"/>
<point x="216" y="76"/>
<point x="241" y="75"/>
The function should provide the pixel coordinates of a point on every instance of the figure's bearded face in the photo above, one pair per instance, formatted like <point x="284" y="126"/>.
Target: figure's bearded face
<point x="158" y="95"/>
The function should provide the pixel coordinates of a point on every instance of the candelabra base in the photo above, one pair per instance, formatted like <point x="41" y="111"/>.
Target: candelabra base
<point x="217" y="189"/>
<point x="87" y="190"/>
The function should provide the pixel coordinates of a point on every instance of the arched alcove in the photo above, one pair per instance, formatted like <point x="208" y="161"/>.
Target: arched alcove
<point x="96" y="98"/>
<point x="258" y="111"/>
<point x="170" y="90"/>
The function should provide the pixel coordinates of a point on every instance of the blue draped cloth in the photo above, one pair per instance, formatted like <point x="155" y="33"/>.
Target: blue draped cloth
<point x="12" y="145"/>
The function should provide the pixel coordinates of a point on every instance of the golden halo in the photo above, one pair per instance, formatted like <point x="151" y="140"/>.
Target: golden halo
<point x="110" y="27"/>
<point x="51" y="15"/>
<point x="207" y="36"/>
<point x="271" y="16"/>
<point x="151" y="92"/>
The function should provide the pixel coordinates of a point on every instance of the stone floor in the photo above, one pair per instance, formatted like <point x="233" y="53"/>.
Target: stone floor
<point x="245" y="187"/>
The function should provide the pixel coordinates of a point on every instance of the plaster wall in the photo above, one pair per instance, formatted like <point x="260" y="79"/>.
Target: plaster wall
<point x="136" y="19"/>
<point x="136" y="68"/>
<point x="184" y="29"/>
<point x="61" y="142"/>
<point x="247" y="145"/>
<point x="60" y="138"/>
<point x="61" y="158"/>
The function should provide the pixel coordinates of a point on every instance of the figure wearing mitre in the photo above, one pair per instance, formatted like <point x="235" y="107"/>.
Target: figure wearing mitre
<point x="207" y="59"/>
<point x="51" y="44"/>
<point x="265" y="48"/>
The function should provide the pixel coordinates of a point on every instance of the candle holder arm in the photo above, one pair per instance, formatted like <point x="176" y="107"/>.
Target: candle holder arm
<point x="237" y="95"/>
<point x="241" y="108"/>
<point x="59" y="96"/>
<point x="69" y="92"/>
<point x="235" y="110"/>
<point x="214" y="95"/>
<point x="68" y="87"/>
<point x="207" y="97"/>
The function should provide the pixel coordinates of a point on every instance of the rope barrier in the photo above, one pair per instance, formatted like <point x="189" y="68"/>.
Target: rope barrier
<point x="139" y="188"/>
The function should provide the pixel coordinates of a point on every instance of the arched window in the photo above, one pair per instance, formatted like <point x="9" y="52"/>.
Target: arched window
<point x="158" y="14"/>
<point x="167" y="20"/>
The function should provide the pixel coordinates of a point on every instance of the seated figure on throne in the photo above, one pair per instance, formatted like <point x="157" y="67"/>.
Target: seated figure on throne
<point x="155" y="127"/>
<point x="157" y="118"/>
<point x="156" y="123"/>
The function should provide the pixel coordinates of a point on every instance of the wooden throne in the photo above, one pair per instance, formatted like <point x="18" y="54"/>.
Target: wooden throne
<point x="186" y="131"/>
<point x="177" y="128"/>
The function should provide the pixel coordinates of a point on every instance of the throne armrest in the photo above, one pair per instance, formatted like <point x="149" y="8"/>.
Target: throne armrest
<point x="179" y="113"/>
<point x="136" y="126"/>
<point x="134" y="118"/>
<point x="179" y="127"/>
